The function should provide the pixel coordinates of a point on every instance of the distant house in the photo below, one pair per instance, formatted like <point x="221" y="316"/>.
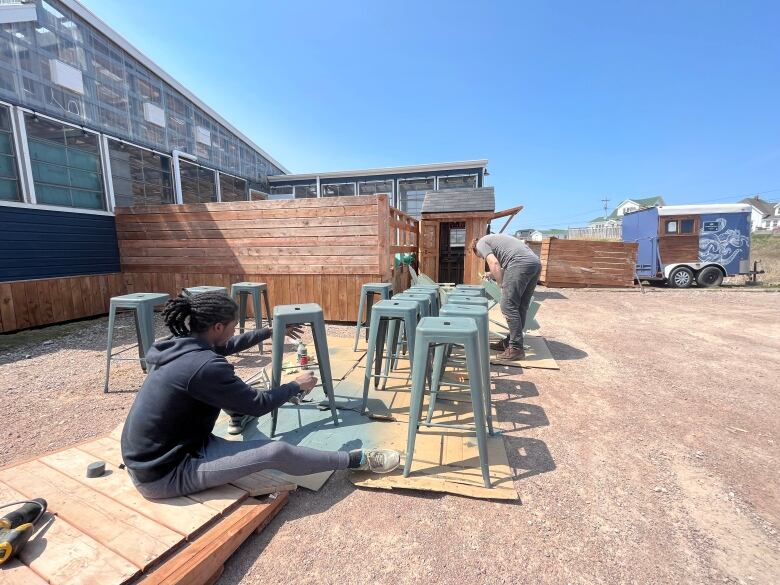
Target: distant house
<point x="625" y="206"/>
<point x="529" y="235"/>
<point x="765" y="215"/>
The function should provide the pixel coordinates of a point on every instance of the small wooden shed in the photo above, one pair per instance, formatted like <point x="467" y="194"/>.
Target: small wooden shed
<point x="450" y="219"/>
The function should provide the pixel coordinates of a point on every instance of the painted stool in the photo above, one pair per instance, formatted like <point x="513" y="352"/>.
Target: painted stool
<point x="240" y="291"/>
<point x="367" y="292"/>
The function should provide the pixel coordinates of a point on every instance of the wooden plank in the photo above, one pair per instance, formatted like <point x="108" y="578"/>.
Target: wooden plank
<point x="61" y="554"/>
<point x="17" y="573"/>
<point x="251" y="269"/>
<point x="261" y="484"/>
<point x="7" y="310"/>
<point x="120" y="529"/>
<point x="220" y="498"/>
<point x="196" y="564"/>
<point x="249" y="205"/>
<point x="181" y="514"/>
<point x="249" y="214"/>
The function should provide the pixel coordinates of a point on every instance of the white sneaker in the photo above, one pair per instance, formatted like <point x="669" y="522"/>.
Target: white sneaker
<point x="238" y="423"/>
<point x="381" y="460"/>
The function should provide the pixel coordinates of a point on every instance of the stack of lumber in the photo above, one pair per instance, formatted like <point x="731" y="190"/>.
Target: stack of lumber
<point x="587" y="263"/>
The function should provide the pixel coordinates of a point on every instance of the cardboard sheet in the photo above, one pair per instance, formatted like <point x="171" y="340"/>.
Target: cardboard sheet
<point x="537" y="355"/>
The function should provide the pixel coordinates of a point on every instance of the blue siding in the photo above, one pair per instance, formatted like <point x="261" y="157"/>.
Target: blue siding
<point x="642" y="227"/>
<point x="37" y="243"/>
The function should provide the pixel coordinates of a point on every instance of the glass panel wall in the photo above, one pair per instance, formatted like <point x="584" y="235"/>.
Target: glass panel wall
<point x="305" y="191"/>
<point x="139" y="176"/>
<point x="197" y="183"/>
<point x="458" y="182"/>
<point x="9" y="178"/>
<point x="411" y="193"/>
<point x="65" y="163"/>
<point x="337" y="189"/>
<point x="376" y="188"/>
<point x="232" y="188"/>
<point x="282" y="192"/>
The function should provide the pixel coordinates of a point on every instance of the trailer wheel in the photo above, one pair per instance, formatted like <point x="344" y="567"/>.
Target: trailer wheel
<point x="681" y="277"/>
<point x="710" y="276"/>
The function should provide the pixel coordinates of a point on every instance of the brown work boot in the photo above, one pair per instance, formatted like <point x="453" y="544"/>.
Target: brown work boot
<point x="512" y="354"/>
<point x="499" y="345"/>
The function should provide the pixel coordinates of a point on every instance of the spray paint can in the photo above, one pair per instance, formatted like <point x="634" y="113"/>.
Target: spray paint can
<point x="303" y="356"/>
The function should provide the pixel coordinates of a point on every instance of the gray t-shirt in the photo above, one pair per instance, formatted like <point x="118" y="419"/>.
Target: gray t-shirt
<point x="508" y="250"/>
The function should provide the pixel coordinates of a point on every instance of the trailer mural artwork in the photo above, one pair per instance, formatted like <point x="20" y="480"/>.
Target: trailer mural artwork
<point x="723" y="240"/>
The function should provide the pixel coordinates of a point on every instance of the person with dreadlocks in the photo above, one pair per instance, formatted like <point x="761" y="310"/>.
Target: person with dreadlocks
<point x="167" y="442"/>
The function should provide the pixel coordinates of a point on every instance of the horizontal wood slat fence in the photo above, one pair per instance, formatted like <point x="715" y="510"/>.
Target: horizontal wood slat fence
<point x="586" y="263"/>
<point x="306" y="250"/>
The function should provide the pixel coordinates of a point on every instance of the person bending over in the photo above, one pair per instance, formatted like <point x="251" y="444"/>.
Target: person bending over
<point x="516" y="268"/>
<point x="168" y="445"/>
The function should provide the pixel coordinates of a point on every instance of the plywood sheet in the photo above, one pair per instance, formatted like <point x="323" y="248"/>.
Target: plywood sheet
<point x="537" y="355"/>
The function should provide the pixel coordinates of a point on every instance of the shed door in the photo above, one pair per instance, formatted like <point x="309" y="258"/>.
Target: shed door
<point x="429" y="249"/>
<point x="452" y="244"/>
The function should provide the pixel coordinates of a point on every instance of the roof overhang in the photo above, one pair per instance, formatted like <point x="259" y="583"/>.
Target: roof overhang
<point x="698" y="209"/>
<point x="125" y="45"/>
<point x="427" y="168"/>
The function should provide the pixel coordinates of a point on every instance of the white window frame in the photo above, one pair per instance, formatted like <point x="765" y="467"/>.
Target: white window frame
<point x="392" y="187"/>
<point x="24" y="164"/>
<point x="464" y="175"/>
<point x="216" y="178"/>
<point x="247" y="194"/>
<point x="108" y="137"/>
<point x="353" y="183"/>
<point x="398" y="198"/>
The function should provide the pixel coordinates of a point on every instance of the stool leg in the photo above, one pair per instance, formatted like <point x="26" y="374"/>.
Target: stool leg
<point x="258" y="315"/>
<point x="483" y="346"/>
<point x="267" y="307"/>
<point x="418" y="389"/>
<point x="323" y="359"/>
<point x="138" y="338"/>
<point x="359" y="322"/>
<point x="438" y="371"/>
<point x="390" y="338"/>
<point x="379" y="352"/>
<point x="369" y="304"/>
<point x="373" y="332"/>
<point x="145" y="316"/>
<point x="111" y="318"/>
<point x="473" y="359"/>
<point x="277" y="354"/>
<point x="241" y="311"/>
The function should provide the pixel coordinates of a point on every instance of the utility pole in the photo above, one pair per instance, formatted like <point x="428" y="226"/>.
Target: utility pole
<point x="605" y="201"/>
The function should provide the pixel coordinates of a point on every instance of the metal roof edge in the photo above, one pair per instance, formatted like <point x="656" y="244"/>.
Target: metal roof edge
<point x="432" y="167"/>
<point x="703" y="208"/>
<point x="125" y="45"/>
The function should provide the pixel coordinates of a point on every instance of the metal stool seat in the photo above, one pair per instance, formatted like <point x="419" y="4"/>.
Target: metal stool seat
<point x="240" y="291"/>
<point x="474" y="290"/>
<point x="306" y="314"/>
<point x="433" y="294"/>
<point x="466" y="300"/>
<point x="384" y="290"/>
<point x="142" y="305"/>
<point x="433" y="332"/>
<point x="196" y="290"/>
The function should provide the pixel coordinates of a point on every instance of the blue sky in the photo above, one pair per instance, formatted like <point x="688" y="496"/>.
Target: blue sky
<point x="571" y="102"/>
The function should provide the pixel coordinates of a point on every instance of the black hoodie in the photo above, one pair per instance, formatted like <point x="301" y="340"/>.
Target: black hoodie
<point x="187" y="384"/>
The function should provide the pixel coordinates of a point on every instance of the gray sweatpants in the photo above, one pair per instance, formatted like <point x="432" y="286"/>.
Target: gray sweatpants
<point x="518" y="287"/>
<point x="221" y="461"/>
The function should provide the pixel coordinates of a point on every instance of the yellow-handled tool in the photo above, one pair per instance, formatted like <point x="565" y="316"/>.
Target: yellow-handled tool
<point x="17" y="527"/>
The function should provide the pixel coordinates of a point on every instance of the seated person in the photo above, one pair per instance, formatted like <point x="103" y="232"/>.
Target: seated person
<point x="167" y="442"/>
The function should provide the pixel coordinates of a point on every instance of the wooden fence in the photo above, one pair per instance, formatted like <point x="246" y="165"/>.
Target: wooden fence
<point x="31" y="303"/>
<point x="306" y="250"/>
<point x="585" y="263"/>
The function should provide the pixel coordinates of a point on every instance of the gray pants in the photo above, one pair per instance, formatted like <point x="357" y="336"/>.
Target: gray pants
<point x="221" y="461"/>
<point x="518" y="287"/>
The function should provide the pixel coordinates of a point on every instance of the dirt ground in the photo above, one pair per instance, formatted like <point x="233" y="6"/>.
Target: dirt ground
<point x="650" y="457"/>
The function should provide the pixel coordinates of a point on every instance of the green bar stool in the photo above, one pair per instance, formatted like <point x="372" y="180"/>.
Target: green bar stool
<point x="240" y="291"/>
<point x="386" y="311"/>
<point x="142" y="305"/>
<point x="433" y="332"/>
<point x="466" y="300"/>
<point x="306" y="314"/>
<point x="396" y="340"/>
<point x="433" y="294"/>
<point x="384" y="290"/>
<point x="441" y="356"/>
<point x="474" y="290"/>
<point x="196" y="290"/>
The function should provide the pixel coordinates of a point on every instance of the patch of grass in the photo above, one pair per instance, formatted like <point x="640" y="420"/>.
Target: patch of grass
<point x="766" y="249"/>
